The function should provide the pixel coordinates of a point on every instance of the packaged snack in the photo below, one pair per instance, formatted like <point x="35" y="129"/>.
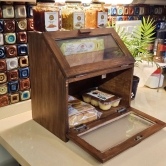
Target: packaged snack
<point x="80" y="112"/>
<point x="101" y="99"/>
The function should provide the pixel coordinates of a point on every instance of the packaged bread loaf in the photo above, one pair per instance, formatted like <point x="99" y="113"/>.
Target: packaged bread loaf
<point x="80" y="112"/>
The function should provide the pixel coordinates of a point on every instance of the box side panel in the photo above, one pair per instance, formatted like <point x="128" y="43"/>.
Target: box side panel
<point x="49" y="88"/>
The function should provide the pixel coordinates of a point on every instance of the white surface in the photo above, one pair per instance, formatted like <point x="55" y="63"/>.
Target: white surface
<point x="128" y="26"/>
<point x="144" y="70"/>
<point x="33" y="145"/>
<point x="155" y="81"/>
<point x="15" y="109"/>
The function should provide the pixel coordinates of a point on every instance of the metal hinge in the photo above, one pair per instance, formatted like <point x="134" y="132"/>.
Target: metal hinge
<point x="81" y="128"/>
<point x="124" y="65"/>
<point x="138" y="137"/>
<point x="121" y="110"/>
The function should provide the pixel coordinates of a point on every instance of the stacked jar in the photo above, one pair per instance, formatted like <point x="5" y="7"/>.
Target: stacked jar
<point x="161" y="51"/>
<point x="96" y="16"/>
<point x="46" y="17"/>
<point x="73" y="16"/>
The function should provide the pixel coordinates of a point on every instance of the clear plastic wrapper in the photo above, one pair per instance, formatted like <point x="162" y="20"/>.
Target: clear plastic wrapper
<point x="80" y="112"/>
<point x="101" y="99"/>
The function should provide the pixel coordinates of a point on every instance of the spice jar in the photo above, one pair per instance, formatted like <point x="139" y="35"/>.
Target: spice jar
<point x="96" y="16"/>
<point x="73" y="16"/>
<point x="161" y="51"/>
<point x="46" y="17"/>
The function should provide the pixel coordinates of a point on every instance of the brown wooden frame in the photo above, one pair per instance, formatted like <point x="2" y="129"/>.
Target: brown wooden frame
<point x="52" y="80"/>
<point x="87" y="68"/>
<point x="108" y="154"/>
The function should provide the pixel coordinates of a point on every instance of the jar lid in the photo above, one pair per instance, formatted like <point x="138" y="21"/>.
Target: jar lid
<point x="72" y="1"/>
<point x="45" y="4"/>
<point x="47" y="1"/>
<point x="97" y="2"/>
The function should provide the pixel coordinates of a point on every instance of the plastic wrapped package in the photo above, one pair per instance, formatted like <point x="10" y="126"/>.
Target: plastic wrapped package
<point x="80" y="112"/>
<point x="101" y="99"/>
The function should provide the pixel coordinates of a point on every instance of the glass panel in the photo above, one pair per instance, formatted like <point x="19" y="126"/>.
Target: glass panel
<point x="115" y="132"/>
<point x="89" y="50"/>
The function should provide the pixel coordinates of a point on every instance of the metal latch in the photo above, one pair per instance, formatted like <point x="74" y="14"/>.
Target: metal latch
<point x="81" y="128"/>
<point x="138" y="137"/>
<point x="81" y="75"/>
<point x="124" y="65"/>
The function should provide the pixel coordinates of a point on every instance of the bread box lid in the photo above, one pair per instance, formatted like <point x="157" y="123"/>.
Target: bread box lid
<point x="87" y="50"/>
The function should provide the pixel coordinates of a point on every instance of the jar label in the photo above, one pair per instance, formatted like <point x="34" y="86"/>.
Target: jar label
<point x="78" y="20"/>
<point x="51" y="21"/>
<point x="100" y="95"/>
<point x="102" y="19"/>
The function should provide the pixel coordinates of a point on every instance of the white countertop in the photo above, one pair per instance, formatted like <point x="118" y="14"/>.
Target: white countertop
<point x="31" y="144"/>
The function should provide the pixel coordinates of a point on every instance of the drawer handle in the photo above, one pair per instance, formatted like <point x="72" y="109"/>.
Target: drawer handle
<point x="84" y="31"/>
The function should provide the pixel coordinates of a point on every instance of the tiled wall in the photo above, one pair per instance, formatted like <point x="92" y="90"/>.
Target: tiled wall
<point x="136" y="12"/>
<point x="15" y="21"/>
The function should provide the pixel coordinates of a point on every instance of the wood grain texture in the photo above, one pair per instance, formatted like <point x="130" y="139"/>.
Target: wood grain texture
<point x="49" y="88"/>
<point x="53" y="79"/>
<point x="50" y="38"/>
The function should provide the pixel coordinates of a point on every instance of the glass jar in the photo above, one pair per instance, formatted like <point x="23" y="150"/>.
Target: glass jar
<point x="96" y="16"/>
<point x="161" y="51"/>
<point x="46" y="17"/>
<point x="73" y="16"/>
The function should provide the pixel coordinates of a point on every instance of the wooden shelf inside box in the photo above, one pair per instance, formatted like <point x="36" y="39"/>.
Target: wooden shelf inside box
<point x="115" y="83"/>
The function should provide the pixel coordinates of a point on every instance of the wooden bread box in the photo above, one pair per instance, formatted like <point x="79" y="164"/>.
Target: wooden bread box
<point x="67" y="63"/>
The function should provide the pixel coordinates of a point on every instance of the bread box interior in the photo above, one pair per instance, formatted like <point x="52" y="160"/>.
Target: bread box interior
<point x="72" y="63"/>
